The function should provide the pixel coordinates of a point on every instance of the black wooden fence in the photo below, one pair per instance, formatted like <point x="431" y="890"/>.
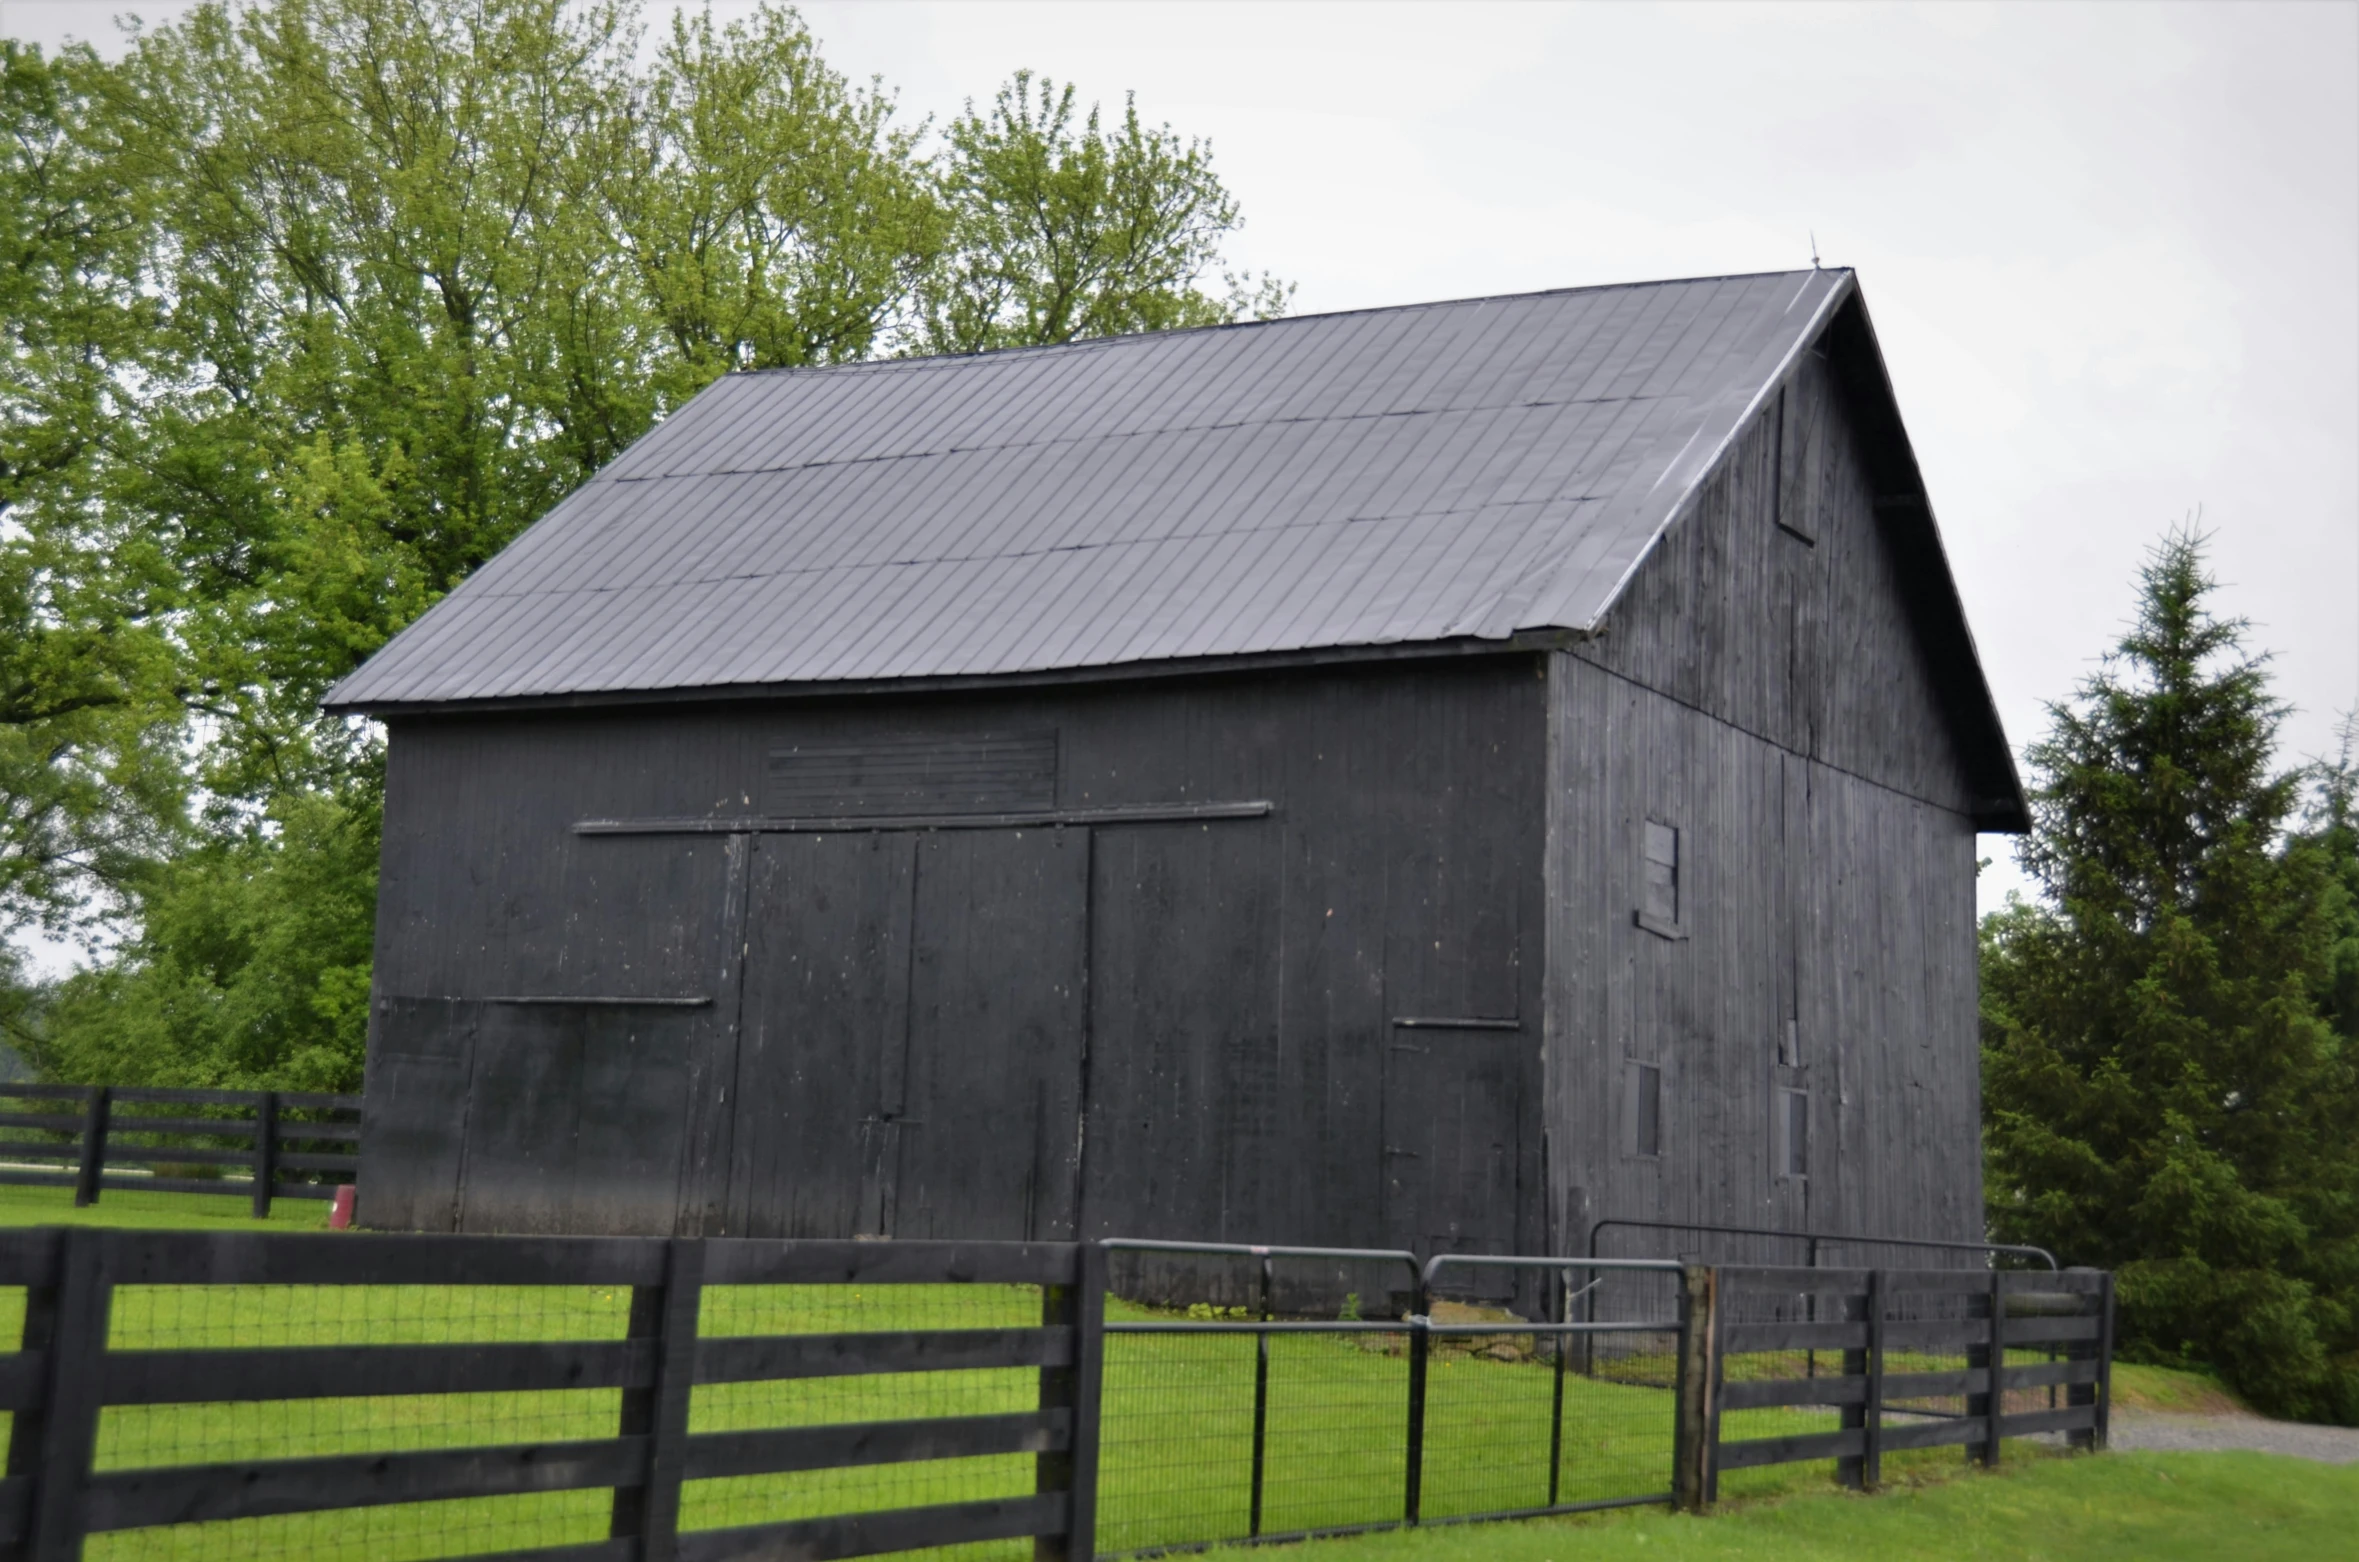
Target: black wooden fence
<point x="62" y="1485"/>
<point x="175" y="1390"/>
<point x="1928" y="1358"/>
<point x="93" y="1138"/>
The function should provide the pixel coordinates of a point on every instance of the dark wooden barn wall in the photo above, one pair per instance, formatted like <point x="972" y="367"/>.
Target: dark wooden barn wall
<point x="1238" y="978"/>
<point x="1765" y="695"/>
<point x="1806" y="644"/>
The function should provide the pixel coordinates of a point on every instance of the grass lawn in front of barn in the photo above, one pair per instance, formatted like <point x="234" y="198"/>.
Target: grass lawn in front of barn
<point x="2118" y="1507"/>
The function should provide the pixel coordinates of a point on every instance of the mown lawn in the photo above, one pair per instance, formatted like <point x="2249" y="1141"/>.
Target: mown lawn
<point x="2122" y="1507"/>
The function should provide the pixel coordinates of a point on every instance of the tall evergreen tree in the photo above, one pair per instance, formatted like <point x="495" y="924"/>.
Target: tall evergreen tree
<point x="2163" y="1094"/>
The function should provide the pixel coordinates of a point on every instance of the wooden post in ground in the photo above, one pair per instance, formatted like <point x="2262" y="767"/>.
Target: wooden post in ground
<point x="650" y="1511"/>
<point x="1692" y="1480"/>
<point x="1077" y="1390"/>
<point x="91" y="1175"/>
<point x="265" y="1153"/>
<point x="65" y="1431"/>
<point x="1072" y="1470"/>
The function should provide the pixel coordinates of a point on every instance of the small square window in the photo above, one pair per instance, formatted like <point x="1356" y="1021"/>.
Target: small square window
<point x="1646" y="1109"/>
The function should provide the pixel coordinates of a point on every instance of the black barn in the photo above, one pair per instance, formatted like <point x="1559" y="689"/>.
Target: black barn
<point x="1427" y="777"/>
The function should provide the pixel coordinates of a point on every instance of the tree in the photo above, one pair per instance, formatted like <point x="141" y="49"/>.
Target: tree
<point x="313" y="305"/>
<point x="2162" y="1094"/>
<point x="1063" y="231"/>
<point x="88" y="765"/>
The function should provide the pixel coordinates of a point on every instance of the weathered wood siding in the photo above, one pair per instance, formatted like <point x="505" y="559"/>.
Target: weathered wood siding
<point x="1217" y="997"/>
<point x="1808" y="645"/>
<point x="1761" y="690"/>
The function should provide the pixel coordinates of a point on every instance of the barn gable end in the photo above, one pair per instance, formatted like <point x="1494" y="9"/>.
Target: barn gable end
<point x="1800" y="1050"/>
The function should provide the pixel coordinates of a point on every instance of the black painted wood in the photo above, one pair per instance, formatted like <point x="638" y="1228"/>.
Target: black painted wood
<point x="870" y="1534"/>
<point x="1903" y="1433"/>
<point x="187" y="1494"/>
<point x="1758" y="1393"/>
<point x="1089" y="1369"/>
<point x="713" y="1455"/>
<point x="743" y="1359"/>
<point x="259" y="1258"/>
<point x="61" y="1438"/>
<point x="94" y="1132"/>
<point x="1753" y="1452"/>
<point x="335" y="1371"/>
<point x="648" y="1508"/>
<point x="888" y="1263"/>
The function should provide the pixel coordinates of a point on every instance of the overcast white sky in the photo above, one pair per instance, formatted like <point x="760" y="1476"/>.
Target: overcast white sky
<point x="2112" y="250"/>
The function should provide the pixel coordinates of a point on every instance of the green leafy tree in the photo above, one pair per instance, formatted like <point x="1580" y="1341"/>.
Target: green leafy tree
<point x="2163" y="1094"/>
<point x="249" y="967"/>
<point x="1063" y="230"/>
<point x="313" y="305"/>
<point x="89" y="773"/>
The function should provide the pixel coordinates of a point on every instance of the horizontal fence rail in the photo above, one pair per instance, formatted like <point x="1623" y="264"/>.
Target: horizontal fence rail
<point x="118" y="1433"/>
<point x="241" y="1394"/>
<point x="1816" y="1244"/>
<point x="1901" y="1359"/>
<point x="92" y="1138"/>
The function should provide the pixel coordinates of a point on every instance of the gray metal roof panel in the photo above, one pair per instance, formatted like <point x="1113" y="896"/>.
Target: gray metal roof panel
<point x="1431" y="472"/>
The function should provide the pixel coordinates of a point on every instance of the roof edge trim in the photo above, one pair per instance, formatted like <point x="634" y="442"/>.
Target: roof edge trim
<point x="1813" y="329"/>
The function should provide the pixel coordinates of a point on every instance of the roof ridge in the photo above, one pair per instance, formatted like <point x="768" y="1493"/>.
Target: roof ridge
<point x="1124" y="338"/>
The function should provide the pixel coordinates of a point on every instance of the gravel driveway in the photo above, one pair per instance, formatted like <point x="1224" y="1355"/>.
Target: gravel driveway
<point x="2207" y="1434"/>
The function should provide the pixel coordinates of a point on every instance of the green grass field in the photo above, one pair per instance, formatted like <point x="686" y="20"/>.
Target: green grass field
<point x="1176" y="1434"/>
<point x="2133" y="1507"/>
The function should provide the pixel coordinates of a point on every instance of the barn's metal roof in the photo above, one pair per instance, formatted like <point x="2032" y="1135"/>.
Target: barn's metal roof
<point x="1429" y="473"/>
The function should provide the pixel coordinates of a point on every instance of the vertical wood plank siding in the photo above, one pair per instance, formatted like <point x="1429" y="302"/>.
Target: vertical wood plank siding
<point x="1233" y="1013"/>
<point x="1767" y="696"/>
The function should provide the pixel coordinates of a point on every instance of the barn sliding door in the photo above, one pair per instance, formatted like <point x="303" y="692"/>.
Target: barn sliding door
<point x="913" y="1011"/>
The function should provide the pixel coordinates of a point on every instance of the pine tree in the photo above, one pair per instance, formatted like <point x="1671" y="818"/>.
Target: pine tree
<point x="2163" y="1093"/>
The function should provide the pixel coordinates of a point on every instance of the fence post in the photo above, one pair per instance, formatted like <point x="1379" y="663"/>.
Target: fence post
<point x="1994" y="1404"/>
<point x="1089" y="1394"/>
<point x="1564" y="1314"/>
<point x="1261" y="1401"/>
<point x="265" y="1153"/>
<point x="1852" y="1469"/>
<point x="650" y="1511"/>
<point x="1075" y="1389"/>
<point x="1420" y="1348"/>
<point x="91" y="1174"/>
<point x="55" y="1451"/>
<point x="1692" y="1479"/>
<point x="2104" y="1367"/>
<point x="1871" y="1470"/>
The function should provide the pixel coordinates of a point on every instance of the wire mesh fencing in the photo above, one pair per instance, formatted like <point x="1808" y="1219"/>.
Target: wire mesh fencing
<point x="1263" y="1392"/>
<point x="237" y="1397"/>
<point x="1537" y="1403"/>
<point x="216" y="1397"/>
<point x="216" y="1441"/>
